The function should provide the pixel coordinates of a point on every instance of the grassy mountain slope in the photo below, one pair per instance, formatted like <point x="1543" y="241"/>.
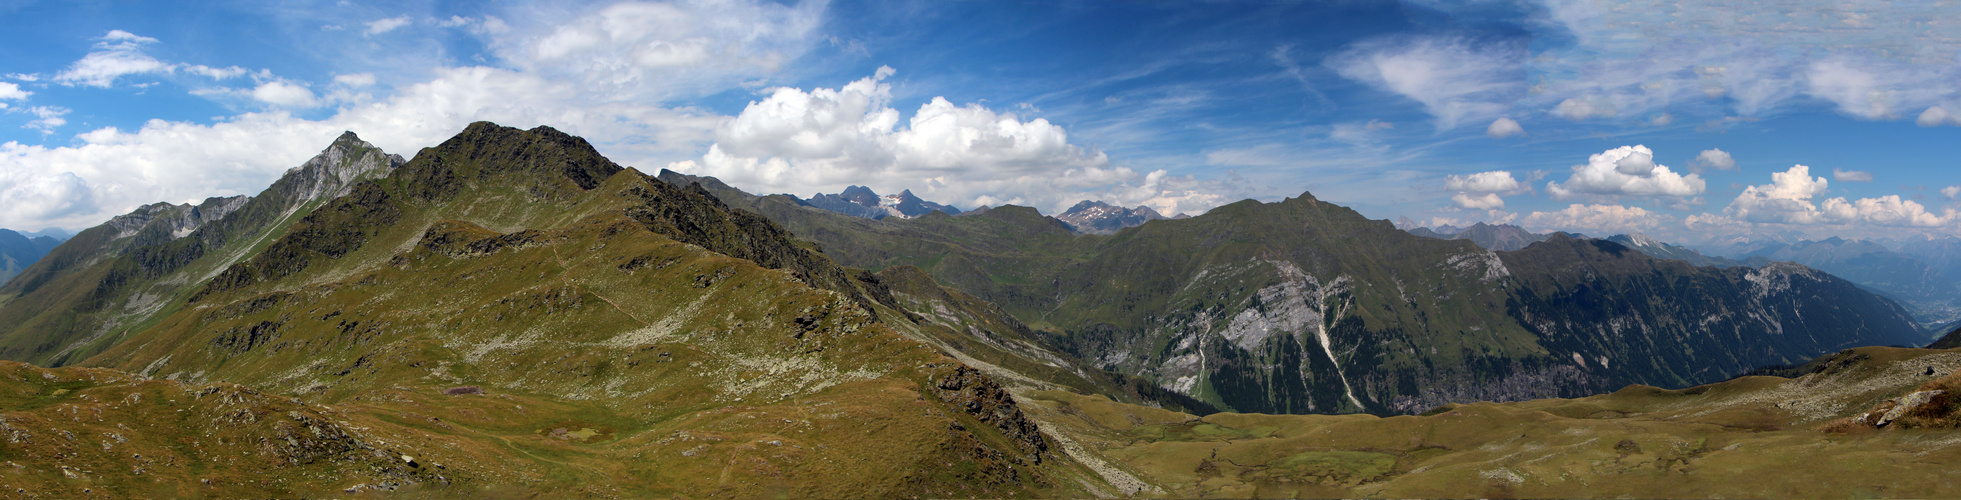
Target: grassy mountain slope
<point x="634" y="338"/>
<point x="111" y="280"/>
<point x="1303" y="306"/>
<point x="1751" y="437"/>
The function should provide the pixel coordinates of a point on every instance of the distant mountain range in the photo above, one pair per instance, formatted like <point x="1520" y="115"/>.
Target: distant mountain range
<point x="1933" y="295"/>
<point x="860" y="201"/>
<point x="1306" y="307"/>
<point x="1497" y="238"/>
<point x="1096" y="217"/>
<point x="17" y="251"/>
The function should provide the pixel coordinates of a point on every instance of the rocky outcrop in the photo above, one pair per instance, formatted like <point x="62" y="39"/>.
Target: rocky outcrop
<point x="968" y="389"/>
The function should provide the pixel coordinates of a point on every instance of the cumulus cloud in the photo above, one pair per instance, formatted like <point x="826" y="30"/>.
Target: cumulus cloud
<point x="1787" y="200"/>
<point x="1597" y="219"/>
<point x="1456" y="80"/>
<point x="12" y="91"/>
<point x="1503" y="127"/>
<point x="1713" y="158"/>
<point x="1625" y="171"/>
<point x="1483" y="190"/>
<point x="821" y="140"/>
<point x="33" y="198"/>
<point x="380" y="26"/>
<point x="1951" y="192"/>
<point x="1843" y="175"/>
<point x="1890" y="210"/>
<point x="1936" y="116"/>
<point x="285" y="94"/>
<point x="115" y="54"/>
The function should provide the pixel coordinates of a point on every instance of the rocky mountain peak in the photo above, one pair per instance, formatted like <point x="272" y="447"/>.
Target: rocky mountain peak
<point x="861" y="201"/>
<point x="1098" y="217"/>
<point x="332" y="172"/>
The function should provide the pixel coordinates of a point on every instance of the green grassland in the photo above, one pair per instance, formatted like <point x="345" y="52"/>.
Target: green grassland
<point x="1751" y="437"/>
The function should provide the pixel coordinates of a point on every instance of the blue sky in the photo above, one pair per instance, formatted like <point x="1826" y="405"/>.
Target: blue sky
<point x="1691" y="121"/>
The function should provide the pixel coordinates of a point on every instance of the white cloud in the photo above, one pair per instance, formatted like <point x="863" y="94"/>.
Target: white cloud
<point x="216" y="73"/>
<point x="1936" y="116"/>
<point x="1456" y="80"/>
<point x="33" y="197"/>
<point x="1787" y="199"/>
<point x="1486" y="201"/>
<point x="380" y="26"/>
<point x="1951" y="192"/>
<point x="1870" y="59"/>
<point x="1842" y="175"/>
<point x="1597" y="220"/>
<point x="1581" y="108"/>
<point x="1887" y="210"/>
<point x="1625" y="171"/>
<point x="46" y="118"/>
<point x="1360" y="134"/>
<point x="665" y="50"/>
<point x="116" y="54"/>
<point x="806" y="142"/>
<point x="355" y="80"/>
<point x="12" y="91"/>
<point x="1713" y="158"/>
<point x="1855" y="90"/>
<point x="1503" y="127"/>
<point x="285" y="95"/>
<point x="1483" y="190"/>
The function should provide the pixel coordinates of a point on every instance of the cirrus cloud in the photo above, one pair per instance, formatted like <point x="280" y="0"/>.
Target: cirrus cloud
<point x="1455" y="79"/>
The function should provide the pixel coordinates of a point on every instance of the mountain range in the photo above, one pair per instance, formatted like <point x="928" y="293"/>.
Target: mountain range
<point x="1494" y="237"/>
<point x="1306" y="307"/>
<point x="18" y="251"/>
<point x="512" y="314"/>
<point x="860" y="201"/>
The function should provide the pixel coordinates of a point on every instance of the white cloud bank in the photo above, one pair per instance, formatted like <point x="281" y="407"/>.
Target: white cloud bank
<point x="1598" y="220"/>
<point x="1787" y="200"/>
<point x="806" y="142"/>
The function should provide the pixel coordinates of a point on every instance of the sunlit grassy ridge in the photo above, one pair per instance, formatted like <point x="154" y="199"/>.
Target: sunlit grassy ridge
<point x="629" y="337"/>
